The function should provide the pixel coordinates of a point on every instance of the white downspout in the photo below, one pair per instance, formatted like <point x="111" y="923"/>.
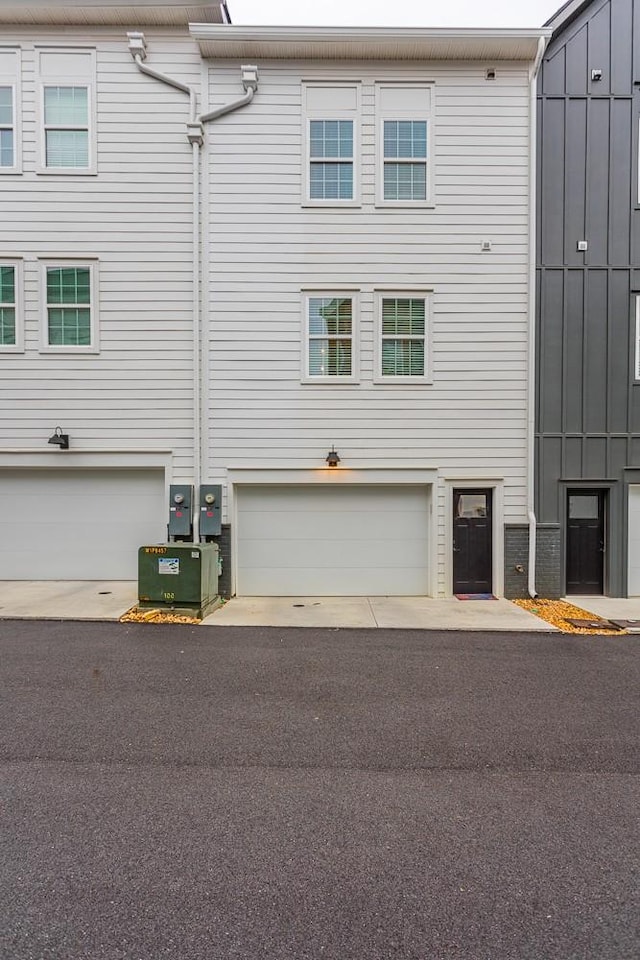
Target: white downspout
<point x="138" y="50"/>
<point x="195" y="135"/>
<point x="531" y="346"/>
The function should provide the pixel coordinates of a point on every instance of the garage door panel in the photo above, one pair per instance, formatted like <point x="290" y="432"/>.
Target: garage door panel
<point x="66" y="524"/>
<point x="331" y="582"/>
<point x="323" y="525"/>
<point x="335" y="541"/>
<point x="368" y="554"/>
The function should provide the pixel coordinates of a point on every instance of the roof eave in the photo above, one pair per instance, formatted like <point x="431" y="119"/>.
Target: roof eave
<point x="367" y="42"/>
<point x="112" y="12"/>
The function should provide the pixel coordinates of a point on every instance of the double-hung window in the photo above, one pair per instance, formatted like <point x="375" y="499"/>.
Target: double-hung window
<point x="330" y="341"/>
<point x="10" y="320"/>
<point x="67" y="85"/>
<point x="405" y="136"/>
<point x="7" y="128"/>
<point x="70" y="308"/>
<point x="331" y="136"/>
<point x="403" y="333"/>
<point x="66" y="127"/>
<point x="9" y="133"/>
<point x="331" y="159"/>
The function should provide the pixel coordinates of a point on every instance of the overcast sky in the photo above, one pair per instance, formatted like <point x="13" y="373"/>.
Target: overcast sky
<point x="384" y="13"/>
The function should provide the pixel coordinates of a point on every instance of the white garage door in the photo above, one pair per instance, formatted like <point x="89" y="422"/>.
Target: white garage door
<point x="332" y="541"/>
<point x="633" y="585"/>
<point x="66" y="524"/>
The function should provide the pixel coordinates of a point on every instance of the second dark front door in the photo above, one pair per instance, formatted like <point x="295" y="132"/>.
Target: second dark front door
<point x="585" y="542"/>
<point x="472" y="541"/>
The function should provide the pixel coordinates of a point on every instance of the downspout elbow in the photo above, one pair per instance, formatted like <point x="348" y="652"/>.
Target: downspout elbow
<point x="229" y="107"/>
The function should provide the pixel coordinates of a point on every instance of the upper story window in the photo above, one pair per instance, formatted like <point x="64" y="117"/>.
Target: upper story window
<point x="67" y="84"/>
<point x="403" y="330"/>
<point x="9" y="81"/>
<point x="405" y="159"/>
<point x="7" y="127"/>
<point x="329" y="338"/>
<point x="10" y="321"/>
<point x="331" y="159"/>
<point x="66" y="127"/>
<point x="405" y="135"/>
<point x="331" y="132"/>
<point x="70" y="308"/>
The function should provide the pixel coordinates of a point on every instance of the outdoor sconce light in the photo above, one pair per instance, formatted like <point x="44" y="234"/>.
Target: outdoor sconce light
<point x="332" y="457"/>
<point x="59" y="439"/>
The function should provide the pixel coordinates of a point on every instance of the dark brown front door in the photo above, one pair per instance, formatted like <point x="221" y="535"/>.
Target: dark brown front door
<point x="585" y="541"/>
<point x="472" y="541"/>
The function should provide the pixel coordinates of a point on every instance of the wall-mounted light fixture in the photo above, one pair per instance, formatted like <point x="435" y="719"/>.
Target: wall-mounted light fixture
<point x="59" y="439"/>
<point x="332" y="457"/>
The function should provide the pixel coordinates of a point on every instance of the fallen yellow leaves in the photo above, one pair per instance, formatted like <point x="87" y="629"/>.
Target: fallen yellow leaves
<point x="556" y="612"/>
<point x="136" y="615"/>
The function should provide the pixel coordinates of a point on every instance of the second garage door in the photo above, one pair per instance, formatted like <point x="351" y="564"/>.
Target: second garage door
<point x="75" y="524"/>
<point x="332" y="541"/>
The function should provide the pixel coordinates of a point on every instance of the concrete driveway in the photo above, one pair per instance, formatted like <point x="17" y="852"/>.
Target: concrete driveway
<point x="409" y="613"/>
<point x="109" y="600"/>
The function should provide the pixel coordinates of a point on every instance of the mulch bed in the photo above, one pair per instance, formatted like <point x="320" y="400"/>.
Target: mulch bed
<point x="558" y="612"/>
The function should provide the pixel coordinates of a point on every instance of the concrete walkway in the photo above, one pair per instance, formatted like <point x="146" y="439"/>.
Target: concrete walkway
<point x="66" y="599"/>
<point x="409" y="613"/>
<point x="109" y="600"/>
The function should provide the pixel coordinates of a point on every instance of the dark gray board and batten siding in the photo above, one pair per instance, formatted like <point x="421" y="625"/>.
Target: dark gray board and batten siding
<point x="588" y="405"/>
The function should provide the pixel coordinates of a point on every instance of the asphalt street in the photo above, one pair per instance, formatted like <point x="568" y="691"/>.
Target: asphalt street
<point x="283" y="794"/>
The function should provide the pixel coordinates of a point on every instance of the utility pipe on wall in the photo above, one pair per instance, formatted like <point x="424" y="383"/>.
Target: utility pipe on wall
<point x="195" y="135"/>
<point x="531" y="345"/>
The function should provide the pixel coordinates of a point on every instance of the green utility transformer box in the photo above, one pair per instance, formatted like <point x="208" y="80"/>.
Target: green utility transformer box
<point x="180" y="576"/>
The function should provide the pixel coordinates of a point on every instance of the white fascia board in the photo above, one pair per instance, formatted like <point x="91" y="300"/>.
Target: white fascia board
<point x="359" y="43"/>
<point x="116" y="12"/>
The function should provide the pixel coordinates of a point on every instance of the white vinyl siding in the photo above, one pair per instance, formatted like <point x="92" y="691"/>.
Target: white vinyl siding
<point x="67" y="111"/>
<point x="264" y="248"/>
<point x="10" y="307"/>
<point x="135" y="219"/>
<point x="329" y="337"/>
<point x="70" y="307"/>
<point x="10" y="151"/>
<point x="404" y="129"/>
<point x="331" y="137"/>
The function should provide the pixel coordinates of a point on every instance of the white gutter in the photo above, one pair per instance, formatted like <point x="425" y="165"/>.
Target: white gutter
<point x="531" y="345"/>
<point x="195" y="135"/>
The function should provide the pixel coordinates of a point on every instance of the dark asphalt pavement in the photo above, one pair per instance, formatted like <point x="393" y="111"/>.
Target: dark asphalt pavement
<point x="282" y="794"/>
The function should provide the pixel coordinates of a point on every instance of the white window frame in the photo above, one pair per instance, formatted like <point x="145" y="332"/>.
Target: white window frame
<point x="13" y="81"/>
<point x="61" y="263"/>
<point x="334" y="114"/>
<point x="427" y="116"/>
<point x="404" y="294"/>
<point x="89" y="85"/>
<point x="18" y="346"/>
<point x="306" y="338"/>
